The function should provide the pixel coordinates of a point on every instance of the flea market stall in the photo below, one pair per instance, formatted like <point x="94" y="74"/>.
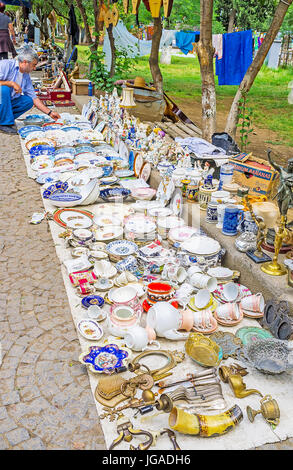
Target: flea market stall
<point x="179" y="344"/>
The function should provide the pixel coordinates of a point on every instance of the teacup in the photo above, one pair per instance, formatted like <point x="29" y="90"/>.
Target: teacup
<point x="229" y="311"/>
<point x="203" y="299"/>
<point x="95" y="313"/>
<point x="138" y="338"/>
<point x="202" y="281"/>
<point x="203" y="320"/>
<point x="230" y="291"/>
<point x="253" y="303"/>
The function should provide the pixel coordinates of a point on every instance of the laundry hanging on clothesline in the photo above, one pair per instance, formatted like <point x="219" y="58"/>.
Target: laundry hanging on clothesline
<point x="237" y="57"/>
<point x="135" y="47"/>
<point x="184" y="40"/>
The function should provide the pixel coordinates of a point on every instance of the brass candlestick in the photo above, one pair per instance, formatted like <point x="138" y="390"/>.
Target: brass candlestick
<point x="273" y="267"/>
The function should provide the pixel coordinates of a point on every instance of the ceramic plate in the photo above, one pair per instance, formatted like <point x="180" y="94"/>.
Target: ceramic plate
<point x="122" y="248"/>
<point x="201" y="246"/>
<point x="176" y="204"/>
<point x="180" y="234"/>
<point x="220" y="273"/>
<point x="105" y="358"/>
<point x="90" y="329"/>
<point x="41" y="165"/>
<point x="145" y="171"/>
<point x="193" y="307"/>
<point x="140" y="224"/>
<point x="249" y="314"/>
<point x="109" y="232"/>
<point x="79" y="223"/>
<point x="92" y="300"/>
<point x="249" y="334"/>
<point x="62" y="199"/>
<point x="243" y="292"/>
<point x="124" y="173"/>
<point x="62" y="216"/>
<point x="104" y="220"/>
<point x="160" y="212"/>
<point x="224" y="322"/>
<point x="137" y="164"/>
<point x="207" y="331"/>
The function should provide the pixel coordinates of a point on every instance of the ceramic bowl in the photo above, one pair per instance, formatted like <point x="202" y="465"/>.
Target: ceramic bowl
<point x="114" y="194"/>
<point x="144" y="194"/>
<point x="123" y="295"/>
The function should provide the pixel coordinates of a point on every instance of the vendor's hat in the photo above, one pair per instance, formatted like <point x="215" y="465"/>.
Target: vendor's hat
<point x="139" y="82"/>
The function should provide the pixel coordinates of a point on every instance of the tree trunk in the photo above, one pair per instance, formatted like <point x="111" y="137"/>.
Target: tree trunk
<point x="97" y="30"/>
<point x="205" y="53"/>
<point x="252" y="71"/>
<point x="112" y="45"/>
<point x="85" y="21"/>
<point x="232" y="18"/>
<point x="154" y="56"/>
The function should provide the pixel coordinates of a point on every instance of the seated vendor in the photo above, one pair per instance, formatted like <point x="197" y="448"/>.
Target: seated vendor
<point x="17" y="94"/>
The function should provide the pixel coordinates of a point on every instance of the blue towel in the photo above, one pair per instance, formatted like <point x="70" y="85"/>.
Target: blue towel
<point x="184" y="40"/>
<point x="237" y="57"/>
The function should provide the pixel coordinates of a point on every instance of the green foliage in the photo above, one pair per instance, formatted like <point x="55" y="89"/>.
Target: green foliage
<point x="250" y="14"/>
<point x="245" y="122"/>
<point x="99" y="74"/>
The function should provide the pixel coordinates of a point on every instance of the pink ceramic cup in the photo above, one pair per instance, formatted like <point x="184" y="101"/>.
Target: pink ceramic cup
<point x="253" y="303"/>
<point x="228" y="311"/>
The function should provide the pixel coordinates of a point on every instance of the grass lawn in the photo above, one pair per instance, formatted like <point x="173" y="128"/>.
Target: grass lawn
<point x="268" y="96"/>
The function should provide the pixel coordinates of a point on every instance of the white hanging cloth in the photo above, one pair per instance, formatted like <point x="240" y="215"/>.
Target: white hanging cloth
<point x="135" y="47"/>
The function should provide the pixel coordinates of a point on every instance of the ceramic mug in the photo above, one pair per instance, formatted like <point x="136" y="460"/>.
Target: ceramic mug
<point x="138" y="338"/>
<point x="212" y="213"/>
<point x="220" y="214"/>
<point x="228" y="311"/>
<point x="232" y="218"/>
<point x="202" y="281"/>
<point x="253" y="303"/>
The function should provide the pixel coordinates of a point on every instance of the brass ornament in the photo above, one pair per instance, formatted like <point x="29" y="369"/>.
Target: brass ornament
<point x="269" y="408"/>
<point x="239" y="388"/>
<point x="203" y="350"/>
<point x="226" y="371"/>
<point x="173" y="357"/>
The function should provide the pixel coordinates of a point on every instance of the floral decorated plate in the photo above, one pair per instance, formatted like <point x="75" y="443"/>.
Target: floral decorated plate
<point x="122" y="248"/>
<point x="106" y="358"/>
<point x="90" y="329"/>
<point x="145" y="171"/>
<point x="113" y="194"/>
<point x="139" y="224"/>
<point x="220" y="272"/>
<point x="107" y="219"/>
<point x="160" y="212"/>
<point x="176" y="204"/>
<point x="242" y="292"/>
<point x="107" y="233"/>
<point x="180" y="234"/>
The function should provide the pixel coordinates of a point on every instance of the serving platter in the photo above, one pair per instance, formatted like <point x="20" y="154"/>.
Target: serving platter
<point x="201" y="246"/>
<point x="62" y="216"/>
<point x="107" y="233"/>
<point x="104" y="359"/>
<point x="90" y="329"/>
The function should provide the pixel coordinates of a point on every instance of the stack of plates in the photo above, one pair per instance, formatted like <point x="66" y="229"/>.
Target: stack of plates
<point x="140" y="228"/>
<point x="201" y="246"/>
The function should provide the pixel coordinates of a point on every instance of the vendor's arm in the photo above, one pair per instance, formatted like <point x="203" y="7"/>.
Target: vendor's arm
<point x="12" y="33"/>
<point x="11" y="84"/>
<point x="40" y="105"/>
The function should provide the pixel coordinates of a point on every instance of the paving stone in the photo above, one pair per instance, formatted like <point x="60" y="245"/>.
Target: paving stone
<point x="7" y="425"/>
<point x="34" y="444"/>
<point x="10" y="398"/>
<point x="17" y="436"/>
<point x="3" y="413"/>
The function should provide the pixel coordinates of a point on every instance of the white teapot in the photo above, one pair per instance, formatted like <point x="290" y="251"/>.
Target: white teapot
<point x="165" y="320"/>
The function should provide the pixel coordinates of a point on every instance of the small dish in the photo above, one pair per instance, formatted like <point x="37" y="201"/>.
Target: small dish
<point x="89" y="329"/>
<point x="90" y="300"/>
<point x="105" y="359"/>
<point x="96" y="313"/>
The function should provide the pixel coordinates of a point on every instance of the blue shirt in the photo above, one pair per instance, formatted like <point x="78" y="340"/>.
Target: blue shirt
<point x="9" y="69"/>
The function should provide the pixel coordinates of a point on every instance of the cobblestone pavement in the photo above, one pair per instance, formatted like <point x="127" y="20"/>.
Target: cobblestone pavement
<point x="45" y="397"/>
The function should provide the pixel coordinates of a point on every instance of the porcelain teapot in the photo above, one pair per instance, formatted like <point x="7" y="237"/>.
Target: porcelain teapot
<point x="165" y="320"/>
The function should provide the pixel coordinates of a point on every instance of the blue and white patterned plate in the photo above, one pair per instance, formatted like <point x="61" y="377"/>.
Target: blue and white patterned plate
<point x="65" y="197"/>
<point x="112" y="194"/>
<point x="127" y="264"/>
<point x="122" y="248"/>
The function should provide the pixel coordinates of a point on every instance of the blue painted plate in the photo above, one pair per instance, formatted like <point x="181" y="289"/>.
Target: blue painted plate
<point x="111" y="194"/>
<point x="92" y="300"/>
<point x="65" y="197"/>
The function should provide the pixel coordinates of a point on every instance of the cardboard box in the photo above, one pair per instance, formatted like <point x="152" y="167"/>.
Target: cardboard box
<point x="254" y="173"/>
<point x="80" y="86"/>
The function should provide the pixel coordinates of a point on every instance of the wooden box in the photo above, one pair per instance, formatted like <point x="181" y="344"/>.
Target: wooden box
<point x="80" y="86"/>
